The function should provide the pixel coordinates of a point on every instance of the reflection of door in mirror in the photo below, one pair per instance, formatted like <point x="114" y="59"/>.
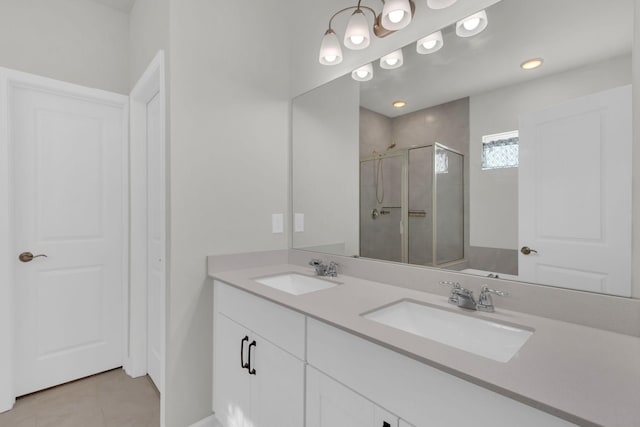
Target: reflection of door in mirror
<point x="575" y="193"/>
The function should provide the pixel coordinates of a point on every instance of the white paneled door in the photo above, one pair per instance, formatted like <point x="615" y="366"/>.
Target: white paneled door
<point x="69" y="200"/>
<point x="575" y="194"/>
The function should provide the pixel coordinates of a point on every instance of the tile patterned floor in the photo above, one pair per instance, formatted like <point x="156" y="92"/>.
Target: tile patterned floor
<point x="110" y="399"/>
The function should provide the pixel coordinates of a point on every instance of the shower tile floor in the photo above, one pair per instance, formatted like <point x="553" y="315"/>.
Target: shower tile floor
<point x="109" y="399"/>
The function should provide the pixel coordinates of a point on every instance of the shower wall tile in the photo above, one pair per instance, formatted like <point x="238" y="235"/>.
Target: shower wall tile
<point x="447" y="124"/>
<point x="375" y="132"/>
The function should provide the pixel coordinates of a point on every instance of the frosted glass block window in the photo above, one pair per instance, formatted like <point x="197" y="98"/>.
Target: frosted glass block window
<point x="500" y="150"/>
<point x="442" y="162"/>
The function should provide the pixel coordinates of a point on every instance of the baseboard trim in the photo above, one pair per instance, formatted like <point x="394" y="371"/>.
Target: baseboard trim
<point x="210" y="421"/>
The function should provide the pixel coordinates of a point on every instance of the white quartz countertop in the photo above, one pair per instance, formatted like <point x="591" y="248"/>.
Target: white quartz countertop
<point x="585" y="375"/>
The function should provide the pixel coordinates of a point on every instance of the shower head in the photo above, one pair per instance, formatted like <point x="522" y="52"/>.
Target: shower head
<point x="393" y="145"/>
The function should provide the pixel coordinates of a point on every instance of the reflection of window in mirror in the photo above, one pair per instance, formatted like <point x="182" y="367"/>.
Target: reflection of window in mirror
<point x="500" y="150"/>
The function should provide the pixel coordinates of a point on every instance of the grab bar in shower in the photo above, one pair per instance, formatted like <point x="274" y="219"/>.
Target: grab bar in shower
<point x="412" y="212"/>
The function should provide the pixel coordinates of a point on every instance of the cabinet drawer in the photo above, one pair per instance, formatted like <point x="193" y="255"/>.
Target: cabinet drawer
<point x="422" y="395"/>
<point x="283" y="327"/>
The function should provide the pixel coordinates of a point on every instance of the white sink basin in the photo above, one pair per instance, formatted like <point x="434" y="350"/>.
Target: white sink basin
<point x="485" y="338"/>
<point x="296" y="284"/>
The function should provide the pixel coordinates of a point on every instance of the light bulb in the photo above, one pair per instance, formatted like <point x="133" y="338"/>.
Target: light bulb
<point x="357" y="36"/>
<point x="396" y="16"/>
<point x="363" y="74"/>
<point x="392" y="60"/>
<point x="430" y="44"/>
<point x="471" y="24"/>
<point x="330" y="51"/>
<point x="356" y="39"/>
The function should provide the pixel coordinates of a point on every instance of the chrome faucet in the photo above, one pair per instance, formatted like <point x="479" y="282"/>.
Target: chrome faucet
<point x="323" y="269"/>
<point x="463" y="297"/>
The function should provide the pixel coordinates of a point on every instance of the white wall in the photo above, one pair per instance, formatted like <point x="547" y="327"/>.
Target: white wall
<point x="78" y="41"/>
<point x="494" y="193"/>
<point x="229" y="167"/>
<point x="148" y="33"/>
<point x="312" y="19"/>
<point x="325" y="154"/>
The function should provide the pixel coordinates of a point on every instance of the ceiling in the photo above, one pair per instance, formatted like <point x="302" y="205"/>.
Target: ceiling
<point x="566" y="33"/>
<point x="121" y="5"/>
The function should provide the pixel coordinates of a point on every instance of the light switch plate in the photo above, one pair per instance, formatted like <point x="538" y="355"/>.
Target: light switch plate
<point x="298" y="223"/>
<point x="277" y="223"/>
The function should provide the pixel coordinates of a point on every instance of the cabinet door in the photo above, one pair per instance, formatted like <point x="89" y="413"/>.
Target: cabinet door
<point x="231" y="391"/>
<point x="330" y="404"/>
<point x="277" y="387"/>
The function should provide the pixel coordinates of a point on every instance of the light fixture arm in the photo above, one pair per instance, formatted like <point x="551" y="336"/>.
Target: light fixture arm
<point x="358" y="7"/>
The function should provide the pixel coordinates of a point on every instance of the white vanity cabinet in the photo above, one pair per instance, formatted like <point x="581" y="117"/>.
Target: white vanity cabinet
<point x="331" y="404"/>
<point x="263" y="352"/>
<point x="258" y="380"/>
<point x="421" y="395"/>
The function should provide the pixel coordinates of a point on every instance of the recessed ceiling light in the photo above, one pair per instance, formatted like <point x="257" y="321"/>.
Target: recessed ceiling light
<point x="531" y="64"/>
<point x="399" y="104"/>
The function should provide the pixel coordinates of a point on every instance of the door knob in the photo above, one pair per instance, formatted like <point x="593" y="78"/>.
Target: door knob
<point x="526" y="250"/>
<point x="28" y="256"/>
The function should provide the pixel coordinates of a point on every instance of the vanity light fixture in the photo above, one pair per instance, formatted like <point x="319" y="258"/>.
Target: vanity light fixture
<point x="330" y="51"/>
<point x="356" y="36"/>
<point x="532" y="64"/>
<point x="392" y="60"/>
<point x="399" y="104"/>
<point x="396" y="14"/>
<point x="430" y="44"/>
<point x="363" y="74"/>
<point x="472" y="25"/>
<point x="440" y="4"/>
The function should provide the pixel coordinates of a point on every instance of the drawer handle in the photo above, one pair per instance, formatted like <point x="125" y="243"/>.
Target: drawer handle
<point x="252" y="371"/>
<point x="242" y="364"/>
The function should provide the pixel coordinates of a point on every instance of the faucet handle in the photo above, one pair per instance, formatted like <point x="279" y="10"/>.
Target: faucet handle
<point x="315" y="262"/>
<point x="485" y="302"/>
<point x="487" y="290"/>
<point x="332" y="269"/>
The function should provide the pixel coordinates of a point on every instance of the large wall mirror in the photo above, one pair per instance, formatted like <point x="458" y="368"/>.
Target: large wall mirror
<point x="488" y="168"/>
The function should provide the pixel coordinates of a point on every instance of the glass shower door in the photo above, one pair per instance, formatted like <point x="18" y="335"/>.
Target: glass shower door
<point x="381" y="201"/>
<point x="420" y="216"/>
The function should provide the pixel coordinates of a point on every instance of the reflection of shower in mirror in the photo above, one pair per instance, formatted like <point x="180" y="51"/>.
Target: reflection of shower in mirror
<point x="422" y="203"/>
